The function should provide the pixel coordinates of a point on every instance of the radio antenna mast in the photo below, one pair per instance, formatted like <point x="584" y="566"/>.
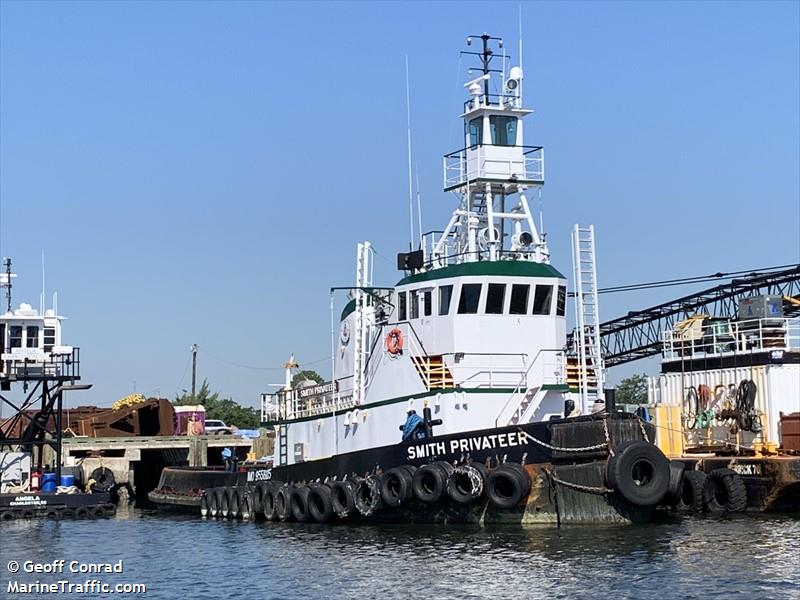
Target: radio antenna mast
<point x="410" y="184"/>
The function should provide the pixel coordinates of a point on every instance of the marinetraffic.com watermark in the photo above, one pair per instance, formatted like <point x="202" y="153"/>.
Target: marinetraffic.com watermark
<point x="66" y="577"/>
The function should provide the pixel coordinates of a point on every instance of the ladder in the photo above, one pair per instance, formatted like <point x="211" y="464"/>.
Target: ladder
<point x="363" y="280"/>
<point x="587" y="317"/>
<point x="283" y="445"/>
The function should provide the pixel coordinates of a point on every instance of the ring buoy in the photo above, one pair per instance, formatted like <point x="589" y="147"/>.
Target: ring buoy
<point x="394" y="342"/>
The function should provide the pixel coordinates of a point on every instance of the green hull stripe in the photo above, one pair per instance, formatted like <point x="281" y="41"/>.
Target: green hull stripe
<point x="510" y="268"/>
<point x="392" y="401"/>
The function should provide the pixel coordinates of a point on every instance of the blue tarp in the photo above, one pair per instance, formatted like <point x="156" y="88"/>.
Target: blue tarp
<point x="413" y="428"/>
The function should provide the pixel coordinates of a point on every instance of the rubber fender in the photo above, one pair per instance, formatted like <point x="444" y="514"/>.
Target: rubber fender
<point x="675" y="487"/>
<point x="639" y="472"/>
<point x="204" y="504"/>
<point x="507" y="485"/>
<point x="298" y="503"/>
<point x="466" y="483"/>
<point x="430" y="482"/>
<point x="217" y="503"/>
<point x="246" y="506"/>
<point x="233" y="503"/>
<point x="256" y="497"/>
<point x="268" y="500"/>
<point x="98" y="512"/>
<point x="396" y="486"/>
<point x="103" y="479"/>
<point x="282" y="505"/>
<point x="368" y="496"/>
<point x="53" y="513"/>
<point x="81" y="512"/>
<point x="724" y="491"/>
<point x="343" y="497"/>
<point x="6" y="515"/>
<point x="320" y="507"/>
<point x="27" y="513"/>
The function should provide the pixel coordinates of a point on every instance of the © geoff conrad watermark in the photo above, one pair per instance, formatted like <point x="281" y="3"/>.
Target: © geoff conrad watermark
<point x="66" y="585"/>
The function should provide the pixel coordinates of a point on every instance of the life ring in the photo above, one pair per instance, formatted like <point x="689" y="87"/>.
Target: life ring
<point x="394" y="342"/>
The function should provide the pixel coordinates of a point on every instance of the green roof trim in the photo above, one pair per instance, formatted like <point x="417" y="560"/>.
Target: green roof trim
<point x="350" y="307"/>
<point x="509" y="268"/>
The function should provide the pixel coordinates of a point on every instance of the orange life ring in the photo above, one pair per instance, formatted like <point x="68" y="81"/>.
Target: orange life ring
<point x="394" y="342"/>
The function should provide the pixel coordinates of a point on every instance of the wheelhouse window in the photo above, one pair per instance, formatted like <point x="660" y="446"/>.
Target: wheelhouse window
<point x="415" y="304"/>
<point x="445" y="295"/>
<point x="494" y="298"/>
<point x="427" y="303"/>
<point x="32" y="337"/>
<point x="476" y="132"/>
<point x="542" y="299"/>
<point x="470" y="297"/>
<point x="561" y="300"/>
<point x="401" y="306"/>
<point x="15" y="336"/>
<point x="504" y="130"/>
<point x="49" y="338"/>
<point x="519" y="299"/>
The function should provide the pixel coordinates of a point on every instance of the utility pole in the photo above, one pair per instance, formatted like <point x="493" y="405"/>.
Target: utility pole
<point x="194" y="370"/>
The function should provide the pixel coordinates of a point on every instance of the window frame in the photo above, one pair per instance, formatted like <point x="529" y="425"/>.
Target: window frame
<point x="486" y="307"/>
<point x="476" y="137"/>
<point x="47" y="347"/>
<point x="442" y="304"/>
<point x="427" y="303"/>
<point x="498" y="123"/>
<point x="414" y="304"/>
<point x="12" y="329"/>
<point x="402" y="306"/>
<point x="561" y="301"/>
<point x="527" y="289"/>
<point x="462" y="306"/>
<point x="548" y="297"/>
<point x="32" y="338"/>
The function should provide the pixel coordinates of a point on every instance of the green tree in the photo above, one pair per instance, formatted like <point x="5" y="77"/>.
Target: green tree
<point x="224" y="409"/>
<point x="305" y="376"/>
<point x="632" y="390"/>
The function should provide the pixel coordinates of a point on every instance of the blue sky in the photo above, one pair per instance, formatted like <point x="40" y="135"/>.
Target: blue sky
<point x="201" y="172"/>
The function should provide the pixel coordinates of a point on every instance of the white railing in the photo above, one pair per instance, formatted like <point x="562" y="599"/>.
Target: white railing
<point x="548" y="367"/>
<point x="475" y="162"/>
<point x="291" y="405"/>
<point x="715" y="338"/>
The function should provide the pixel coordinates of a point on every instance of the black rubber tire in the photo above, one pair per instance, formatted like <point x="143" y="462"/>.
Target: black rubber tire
<point x="724" y="491"/>
<point x="691" y="498"/>
<point x="268" y="501"/>
<point x="282" y="506"/>
<point x="53" y="513"/>
<point x="103" y="479"/>
<point x="81" y="512"/>
<point x="675" y="487"/>
<point x="258" y="497"/>
<point x="430" y="482"/>
<point x="396" y="486"/>
<point x="320" y="507"/>
<point x="68" y="513"/>
<point x="256" y="494"/>
<point x="466" y="483"/>
<point x="216" y="502"/>
<point x="298" y="503"/>
<point x="98" y="512"/>
<point x="343" y="497"/>
<point x="639" y="472"/>
<point x="204" y="504"/>
<point x="368" y="495"/>
<point x="507" y="485"/>
<point x="246" y="510"/>
<point x="27" y="513"/>
<point x="6" y="515"/>
<point x="225" y="503"/>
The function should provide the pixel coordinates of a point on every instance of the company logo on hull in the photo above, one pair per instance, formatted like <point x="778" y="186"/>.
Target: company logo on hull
<point x="469" y="444"/>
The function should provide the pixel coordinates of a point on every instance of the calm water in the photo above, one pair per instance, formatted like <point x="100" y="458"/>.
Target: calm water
<point x="751" y="557"/>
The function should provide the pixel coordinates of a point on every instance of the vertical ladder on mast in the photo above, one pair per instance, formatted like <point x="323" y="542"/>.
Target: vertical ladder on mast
<point x="283" y="445"/>
<point x="587" y="317"/>
<point x="363" y="280"/>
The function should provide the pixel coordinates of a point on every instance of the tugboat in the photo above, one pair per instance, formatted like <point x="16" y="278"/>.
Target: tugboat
<point x="449" y="399"/>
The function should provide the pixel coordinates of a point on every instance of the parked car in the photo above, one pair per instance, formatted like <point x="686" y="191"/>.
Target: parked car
<point x="217" y="427"/>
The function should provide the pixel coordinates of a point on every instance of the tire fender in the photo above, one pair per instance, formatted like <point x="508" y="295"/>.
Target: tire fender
<point x="319" y="503"/>
<point x="396" y="486"/>
<point x="507" y="485"/>
<point x="639" y="472"/>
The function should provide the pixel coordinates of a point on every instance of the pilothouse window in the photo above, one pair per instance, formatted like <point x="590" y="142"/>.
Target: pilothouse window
<point x="561" y="300"/>
<point x="542" y="299"/>
<point x="445" y="294"/>
<point x="476" y="132"/>
<point x="49" y="338"/>
<point x="32" y="337"/>
<point x="504" y="130"/>
<point x="415" y="304"/>
<point x="15" y="335"/>
<point x="519" y="299"/>
<point x="401" y="306"/>
<point x="426" y="302"/>
<point x="494" y="298"/>
<point x="470" y="297"/>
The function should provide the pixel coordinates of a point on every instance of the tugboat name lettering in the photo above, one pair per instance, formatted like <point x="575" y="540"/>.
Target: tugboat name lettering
<point x="470" y="444"/>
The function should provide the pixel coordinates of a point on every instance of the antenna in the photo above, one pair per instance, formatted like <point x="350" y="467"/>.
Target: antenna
<point x="410" y="186"/>
<point x="6" y="281"/>
<point x="419" y="204"/>
<point x="520" y="50"/>
<point x="41" y="296"/>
